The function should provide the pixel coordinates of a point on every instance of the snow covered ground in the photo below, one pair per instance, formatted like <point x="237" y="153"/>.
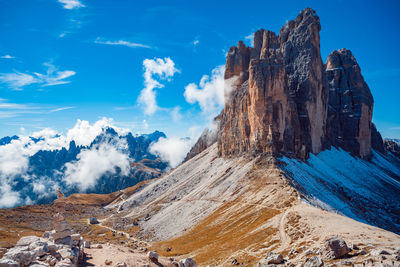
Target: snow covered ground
<point x="367" y="191"/>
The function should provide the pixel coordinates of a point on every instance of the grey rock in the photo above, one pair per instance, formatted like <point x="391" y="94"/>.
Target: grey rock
<point x="335" y="248"/>
<point x="93" y="220"/>
<point x="21" y="255"/>
<point x="188" y="262"/>
<point x="86" y="244"/>
<point x="273" y="258"/>
<point x="8" y="263"/>
<point x="314" y="262"/>
<point x="153" y="256"/>
<point x="27" y="240"/>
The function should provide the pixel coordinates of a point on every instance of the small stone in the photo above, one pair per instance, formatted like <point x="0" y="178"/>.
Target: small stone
<point x="121" y="264"/>
<point x="234" y="262"/>
<point x="153" y="256"/>
<point x="97" y="246"/>
<point x="273" y="258"/>
<point x="168" y="249"/>
<point x="86" y="244"/>
<point x="314" y="262"/>
<point x="93" y="220"/>
<point x="188" y="262"/>
<point x="107" y="262"/>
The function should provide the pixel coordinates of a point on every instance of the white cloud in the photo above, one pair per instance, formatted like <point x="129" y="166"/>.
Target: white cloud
<point x="60" y="109"/>
<point x="120" y="42"/>
<point x="53" y="76"/>
<point x="250" y="38"/>
<point x="8" y="197"/>
<point x="7" y="57"/>
<point x="18" y="79"/>
<point x="71" y="4"/>
<point x="173" y="150"/>
<point x="211" y="92"/>
<point x="175" y="113"/>
<point x="93" y="163"/>
<point x="196" y="42"/>
<point x="84" y="133"/>
<point x="145" y="125"/>
<point x="163" y="69"/>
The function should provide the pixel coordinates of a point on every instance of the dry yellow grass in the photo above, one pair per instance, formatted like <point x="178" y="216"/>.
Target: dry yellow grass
<point x="233" y="227"/>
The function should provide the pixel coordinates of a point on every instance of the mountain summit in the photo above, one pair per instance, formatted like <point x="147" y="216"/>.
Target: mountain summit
<point x="287" y="101"/>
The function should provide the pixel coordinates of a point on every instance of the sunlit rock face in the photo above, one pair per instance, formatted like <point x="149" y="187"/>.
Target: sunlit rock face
<point x="282" y="106"/>
<point x="285" y="100"/>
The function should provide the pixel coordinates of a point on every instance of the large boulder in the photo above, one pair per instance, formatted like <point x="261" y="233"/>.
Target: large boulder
<point x="27" y="240"/>
<point x="20" y="254"/>
<point x="8" y="263"/>
<point x="335" y="248"/>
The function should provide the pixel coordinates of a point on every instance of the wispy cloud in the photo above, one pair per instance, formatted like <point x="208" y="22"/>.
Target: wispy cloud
<point x="250" y="38"/>
<point x="71" y="4"/>
<point x="60" y="109"/>
<point x="7" y="57"/>
<point x="11" y="110"/>
<point x="196" y="42"/>
<point x="121" y="43"/>
<point x="17" y="80"/>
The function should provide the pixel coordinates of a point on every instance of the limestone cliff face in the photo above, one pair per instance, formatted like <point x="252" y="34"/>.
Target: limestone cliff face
<point x="350" y="104"/>
<point x="282" y="105"/>
<point x="285" y="100"/>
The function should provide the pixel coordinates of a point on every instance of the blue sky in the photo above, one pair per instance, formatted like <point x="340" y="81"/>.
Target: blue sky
<point x="63" y="60"/>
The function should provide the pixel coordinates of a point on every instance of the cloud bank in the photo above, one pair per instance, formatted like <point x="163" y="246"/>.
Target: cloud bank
<point x="91" y="164"/>
<point x="163" y="69"/>
<point x="172" y="150"/>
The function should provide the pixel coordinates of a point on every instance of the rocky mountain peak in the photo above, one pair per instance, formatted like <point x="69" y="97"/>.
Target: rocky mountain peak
<point x="287" y="101"/>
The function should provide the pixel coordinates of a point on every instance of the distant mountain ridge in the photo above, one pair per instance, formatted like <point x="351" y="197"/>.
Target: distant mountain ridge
<point x="48" y="168"/>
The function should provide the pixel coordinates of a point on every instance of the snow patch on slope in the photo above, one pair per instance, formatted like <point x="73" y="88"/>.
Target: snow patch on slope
<point x="367" y="191"/>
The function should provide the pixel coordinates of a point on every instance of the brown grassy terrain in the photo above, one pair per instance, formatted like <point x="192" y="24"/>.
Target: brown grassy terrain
<point x="231" y="228"/>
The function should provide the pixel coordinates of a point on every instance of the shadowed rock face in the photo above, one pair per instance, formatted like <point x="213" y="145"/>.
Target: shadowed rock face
<point x="350" y="105"/>
<point x="282" y="106"/>
<point x="285" y="100"/>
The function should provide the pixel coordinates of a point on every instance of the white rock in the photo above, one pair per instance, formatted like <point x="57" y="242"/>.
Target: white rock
<point x="27" y="240"/>
<point x="21" y="255"/>
<point x="314" y="262"/>
<point x="64" y="263"/>
<point x="97" y="246"/>
<point x="121" y="264"/>
<point x="86" y="244"/>
<point x="273" y="258"/>
<point x="188" y="262"/>
<point x="8" y="263"/>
